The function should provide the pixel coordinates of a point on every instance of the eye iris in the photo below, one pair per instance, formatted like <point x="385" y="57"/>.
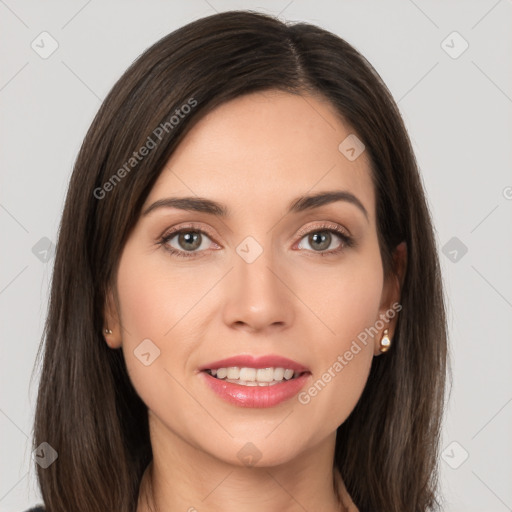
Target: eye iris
<point x="189" y="237"/>
<point x="322" y="237"/>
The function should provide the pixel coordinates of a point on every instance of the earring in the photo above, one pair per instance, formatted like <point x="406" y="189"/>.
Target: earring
<point x="385" y="342"/>
<point x="108" y="331"/>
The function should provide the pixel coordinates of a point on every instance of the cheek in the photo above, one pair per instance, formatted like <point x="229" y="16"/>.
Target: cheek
<point x="161" y="316"/>
<point x="344" y="297"/>
<point x="349" y="307"/>
<point x="153" y="299"/>
<point x="149" y="309"/>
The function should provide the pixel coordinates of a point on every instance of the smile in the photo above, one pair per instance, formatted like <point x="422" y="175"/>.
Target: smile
<point x="247" y="376"/>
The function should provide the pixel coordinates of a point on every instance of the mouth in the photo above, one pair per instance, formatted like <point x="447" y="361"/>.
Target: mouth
<point x="248" y="370"/>
<point x="248" y="376"/>
<point x="255" y="381"/>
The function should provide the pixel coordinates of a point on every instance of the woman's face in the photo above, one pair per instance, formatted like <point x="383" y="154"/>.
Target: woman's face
<point x="264" y="279"/>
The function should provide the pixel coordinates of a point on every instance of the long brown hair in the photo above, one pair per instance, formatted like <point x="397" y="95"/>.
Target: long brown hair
<point x="87" y="408"/>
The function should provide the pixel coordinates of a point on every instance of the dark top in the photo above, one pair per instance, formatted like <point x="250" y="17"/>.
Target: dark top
<point x="36" y="509"/>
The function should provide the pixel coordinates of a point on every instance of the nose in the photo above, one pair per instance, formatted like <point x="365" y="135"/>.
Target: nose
<point x="258" y="296"/>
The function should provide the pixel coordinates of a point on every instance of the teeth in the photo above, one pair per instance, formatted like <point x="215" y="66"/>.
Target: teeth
<point x="233" y="372"/>
<point x="251" y="383"/>
<point x="254" y="376"/>
<point x="265" y="375"/>
<point x="278" y="373"/>
<point x="248" y="374"/>
<point x="288" y="374"/>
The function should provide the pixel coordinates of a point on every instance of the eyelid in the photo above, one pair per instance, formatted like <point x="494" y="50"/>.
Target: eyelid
<point x="324" y="225"/>
<point x="190" y="225"/>
<point x="301" y="233"/>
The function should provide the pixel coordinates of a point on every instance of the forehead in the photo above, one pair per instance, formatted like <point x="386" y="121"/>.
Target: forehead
<point x="263" y="149"/>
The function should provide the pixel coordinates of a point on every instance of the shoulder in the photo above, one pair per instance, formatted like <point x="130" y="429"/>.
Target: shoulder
<point x="36" y="509"/>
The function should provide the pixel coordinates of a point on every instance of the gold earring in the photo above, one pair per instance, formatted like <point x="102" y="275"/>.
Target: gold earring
<point x="385" y="342"/>
<point x="108" y="331"/>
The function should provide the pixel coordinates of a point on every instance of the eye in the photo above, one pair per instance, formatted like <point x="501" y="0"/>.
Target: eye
<point x="326" y="237"/>
<point x="190" y="241"/>
<point x="186" y="242"/>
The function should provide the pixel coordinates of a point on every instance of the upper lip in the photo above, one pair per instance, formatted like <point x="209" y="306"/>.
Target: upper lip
<point x="248" y="361"/>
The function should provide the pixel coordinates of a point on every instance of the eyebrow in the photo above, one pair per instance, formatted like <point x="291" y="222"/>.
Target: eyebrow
<point x="300" y="204"/>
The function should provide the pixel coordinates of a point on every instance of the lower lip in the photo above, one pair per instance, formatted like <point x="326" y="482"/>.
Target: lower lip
<point x="256" y="396"/>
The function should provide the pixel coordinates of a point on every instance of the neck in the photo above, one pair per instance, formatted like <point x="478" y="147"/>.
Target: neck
<point x="185" y="478"/>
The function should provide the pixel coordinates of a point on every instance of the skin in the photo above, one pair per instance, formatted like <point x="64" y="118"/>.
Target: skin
<point x="255" y="155"/>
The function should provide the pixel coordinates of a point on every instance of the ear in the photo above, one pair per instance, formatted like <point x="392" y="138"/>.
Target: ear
<point x="389" y="310"/>
<point x="111" y="321"/>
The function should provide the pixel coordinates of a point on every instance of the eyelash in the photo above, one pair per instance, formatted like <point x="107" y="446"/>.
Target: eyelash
<point x="346" y="240"/>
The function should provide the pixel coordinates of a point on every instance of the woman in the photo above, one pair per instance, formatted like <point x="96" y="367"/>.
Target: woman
<point x="246" y="308"/>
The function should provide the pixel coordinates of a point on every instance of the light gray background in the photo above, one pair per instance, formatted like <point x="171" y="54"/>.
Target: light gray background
<point x="457" y="111"/>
